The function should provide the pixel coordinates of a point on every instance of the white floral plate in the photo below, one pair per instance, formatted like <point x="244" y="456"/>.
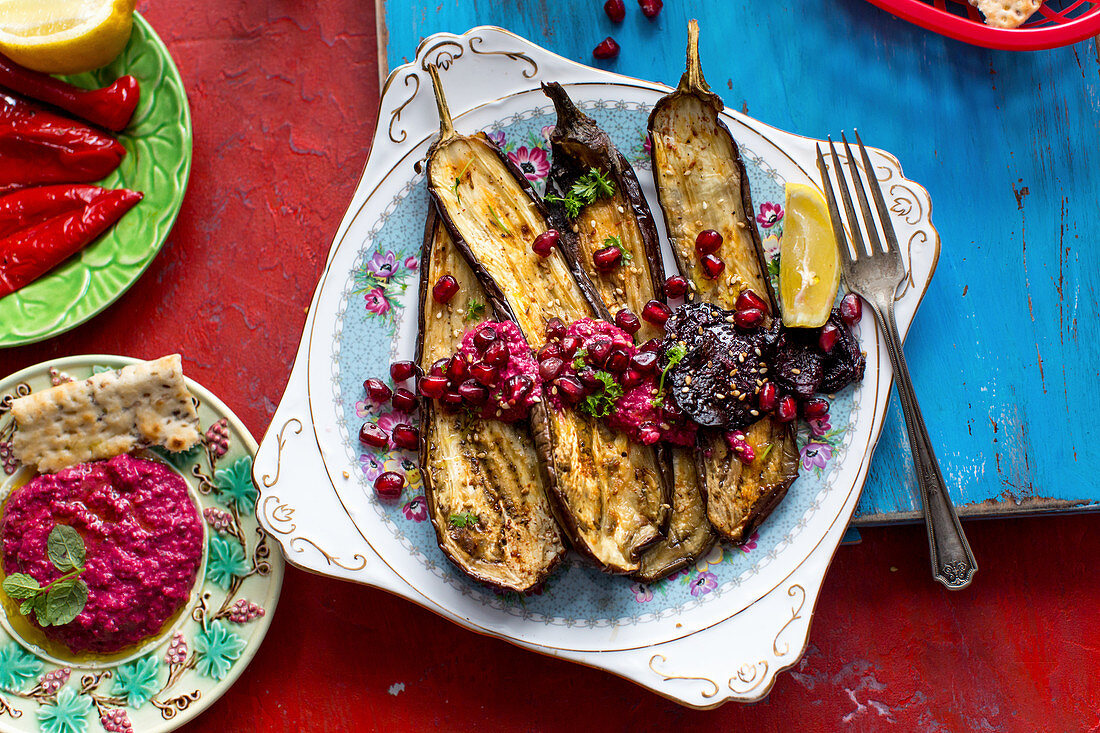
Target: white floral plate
<point x="171" y="679"/>
<point x="718" y="631"/>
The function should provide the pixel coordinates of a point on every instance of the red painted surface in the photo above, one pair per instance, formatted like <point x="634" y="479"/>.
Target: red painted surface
<point x="284" y="95"/>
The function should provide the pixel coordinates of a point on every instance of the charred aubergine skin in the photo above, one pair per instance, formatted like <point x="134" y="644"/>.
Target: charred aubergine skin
<point x="702" y="184"/>
<point x="607" y="491"/>
<point x="485" y="473"/>
<point x="580" y="145"/>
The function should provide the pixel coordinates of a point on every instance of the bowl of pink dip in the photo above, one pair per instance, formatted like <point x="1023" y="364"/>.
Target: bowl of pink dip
<point x="143" y="540"/>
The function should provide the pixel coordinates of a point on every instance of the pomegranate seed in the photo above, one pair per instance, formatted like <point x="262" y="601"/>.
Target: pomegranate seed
<point x="389" y="484"/>
<point x="402" y="370"/>
<point x="484" y="373"/>
<point x="473" y="393"/>
<point x="516" y="388"/>
<point x="606" y="49"/>
<point x="768" y="397"/>
<point x="598" y="349"/>
<point x="433" y="386"/>
<point x="607" y="258"/>
<point x="750" y="318"/>
<point x="444" y="289"/>
<point x="649" y="433"/>
<point x="815" y="408"/>
<point x="656" y="312"/>
<point x="550" y="368"/>
<point x="652" y="345"/>
<point x="627" y="321"/>
<point x="712" y="266"/>
<point x="497" y="355"/>
<point x="747" y="454"/>
<point x="377" y="390"/>
<point x="555" y="329"/>
<point x="569" y="346"/>
<point x="786" y="410"/>
<point x="372" y="435"/>
<point x="748" y="299"/>
<point x="615" y="9"/>
<point x="676" y="286"/>
<point x="438" y="367"/>
<point x="451" y="399"/>
<point x="570" y="390"/>
<point x="483" y="337"/>
<point x="650" y="8"/>
<point x="827" y="339"/>
<point x="406" y="436"/>
<point x="851" y="309"/>
<point x="707" y="242"/>
<point x="617" y="360"/>
<point x="549" y="351"/>
<point x="457" y="369"/>
<point x="544" y="243"/>
<point x="645" y="362"/>
<point x="404" y="400"/>
<point x="587" y="375"/>
<point x="631" y="378"/>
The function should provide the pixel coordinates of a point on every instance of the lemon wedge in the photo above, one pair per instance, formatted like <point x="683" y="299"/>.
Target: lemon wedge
<point x="64" y="36"/>
<point x="809" y="263"/>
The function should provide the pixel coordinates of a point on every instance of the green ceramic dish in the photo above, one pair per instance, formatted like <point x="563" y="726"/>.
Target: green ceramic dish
<point x="157" y="163"/>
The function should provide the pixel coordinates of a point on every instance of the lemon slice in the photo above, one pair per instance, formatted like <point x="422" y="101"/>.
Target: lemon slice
<point x="64" y="36"/>
<point x="809" y="263"/>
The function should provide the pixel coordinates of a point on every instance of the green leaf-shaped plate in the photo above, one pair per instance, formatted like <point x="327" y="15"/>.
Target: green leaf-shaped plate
<point x="157" y="163"/>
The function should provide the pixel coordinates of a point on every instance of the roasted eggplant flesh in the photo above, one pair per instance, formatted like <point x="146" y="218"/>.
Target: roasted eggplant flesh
<point x="617" y="215"/>
<point x="486" y="497"/>
<point x="607" y="492"/>
<point x="689" y="533"/>
<point x="740" y="496"/>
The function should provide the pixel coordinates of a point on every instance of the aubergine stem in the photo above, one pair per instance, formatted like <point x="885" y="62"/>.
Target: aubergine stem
<point x="692" y="80"/>
<point x="446" y="124"/>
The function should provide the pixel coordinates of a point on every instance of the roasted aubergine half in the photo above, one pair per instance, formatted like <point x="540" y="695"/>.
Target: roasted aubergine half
<point x="607" y="492"/>
<point x="486" y="496"/>
<point x="596" y="201"/>
<point x="702" y="185"/>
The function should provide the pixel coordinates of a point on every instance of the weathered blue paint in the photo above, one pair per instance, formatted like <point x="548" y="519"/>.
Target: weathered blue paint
<point x="1004" y="349"/>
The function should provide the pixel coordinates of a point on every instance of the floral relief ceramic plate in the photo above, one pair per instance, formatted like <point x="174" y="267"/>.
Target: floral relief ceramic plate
<point x="157" y="163"/>
<point x="170" y="679"/>
<point x="719" y="630"/>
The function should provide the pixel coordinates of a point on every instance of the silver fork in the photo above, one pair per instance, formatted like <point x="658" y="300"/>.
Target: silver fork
<point x="875" y="274"/>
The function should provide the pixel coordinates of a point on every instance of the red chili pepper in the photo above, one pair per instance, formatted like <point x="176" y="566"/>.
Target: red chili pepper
<point x="110" y="107"/>
<point x="37" y="147"/>
<point x="53" y="223"/>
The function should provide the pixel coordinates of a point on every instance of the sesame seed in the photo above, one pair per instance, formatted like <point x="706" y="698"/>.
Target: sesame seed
<point x="741" y="397"/>
<point x="796" y="371"/>
<point x="757" y="350"/>
<point x="684" y="390"/>
<point x="754" y="413"/>
<point x="741" y="224"/>
<point x="720" y="396"/>
<point x="687" y="379"/>
<point x="621" y="209"/>
<point x="741" y="357"/>
<point x="704" y="206"/>
<point x="729" y="319"/>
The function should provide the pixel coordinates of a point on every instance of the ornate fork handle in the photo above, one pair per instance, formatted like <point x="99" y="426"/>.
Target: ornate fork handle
<point x="953" y="563"/>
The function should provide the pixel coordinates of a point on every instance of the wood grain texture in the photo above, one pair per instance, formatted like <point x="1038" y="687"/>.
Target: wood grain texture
<point x="1003" y="351"/>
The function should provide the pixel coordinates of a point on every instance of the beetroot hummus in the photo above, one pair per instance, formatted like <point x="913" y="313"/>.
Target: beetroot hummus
<point x="143" y="540"/>
<point x="517" y="385"/>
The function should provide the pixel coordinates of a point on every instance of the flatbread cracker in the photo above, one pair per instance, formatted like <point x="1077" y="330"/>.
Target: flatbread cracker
<point x="107" y="415"/>
<point x="1006" y="13"/>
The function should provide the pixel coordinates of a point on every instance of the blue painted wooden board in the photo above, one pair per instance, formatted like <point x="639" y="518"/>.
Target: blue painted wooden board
<point x="1004" y="350"/>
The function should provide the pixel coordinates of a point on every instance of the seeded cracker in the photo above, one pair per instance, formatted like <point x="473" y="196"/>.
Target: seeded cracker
<point x="1006" y="13"/>
<point x="108" y="415"/>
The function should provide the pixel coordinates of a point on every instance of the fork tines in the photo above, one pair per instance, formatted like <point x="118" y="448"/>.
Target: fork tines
<point x="859" y="182"/>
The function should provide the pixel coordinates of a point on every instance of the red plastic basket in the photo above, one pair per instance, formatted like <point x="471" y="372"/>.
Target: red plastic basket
<point x="1056" y="23"/>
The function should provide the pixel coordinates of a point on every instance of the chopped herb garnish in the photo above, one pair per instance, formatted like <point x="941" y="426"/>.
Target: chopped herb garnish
<point x="458" y="180"/>
<point x="673" y="357"/>
<point x="585" y="190"/>
<point x="773" y="266"/>
<point x="474" y="310"/>
<point x="767" y="450"/>
<point x="62" y="599"/>
<point x="498" y="222"/>
<point x="463" y="519"/>
<point x="603" y="401"/>
<point x="579" y="357"/>
<point x="617" y="243"/>
<point x="572" y="204"/>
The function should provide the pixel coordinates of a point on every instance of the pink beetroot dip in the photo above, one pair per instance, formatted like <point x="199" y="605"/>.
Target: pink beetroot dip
<point x="143" y="539"/>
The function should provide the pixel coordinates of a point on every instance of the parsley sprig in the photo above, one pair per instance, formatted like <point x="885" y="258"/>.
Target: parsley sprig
<point x="475" y="309"/>
<point x="593" y="185"/>
<point x="674" y="355"/>
<point x="62" y="599"/>
<point x="601" y="402"/>
<point x="579" y="358"/>
<point x="463" y="519"/>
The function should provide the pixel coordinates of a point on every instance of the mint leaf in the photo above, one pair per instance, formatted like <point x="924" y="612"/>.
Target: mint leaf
<point x="65" y="601"/>
<point x="463" y="519"/>
<point x="65" y="548"/>
<point x="38" y="603"/>
<point x="19" y="586"/>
